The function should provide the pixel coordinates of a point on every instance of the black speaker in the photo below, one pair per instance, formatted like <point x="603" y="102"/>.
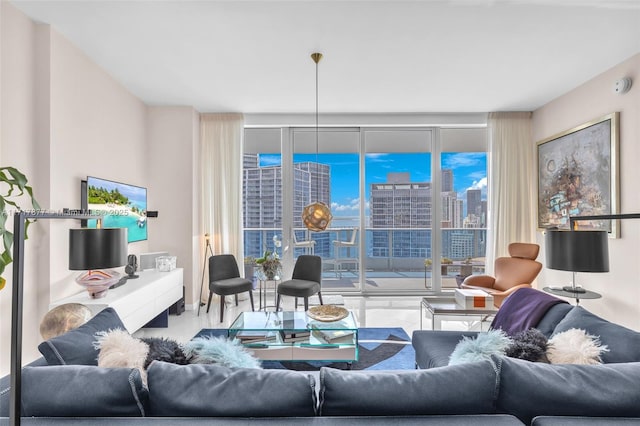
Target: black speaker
<point x="132" y="266"/>
<point x="178" y="307"/>
<point x="152" y="213"/>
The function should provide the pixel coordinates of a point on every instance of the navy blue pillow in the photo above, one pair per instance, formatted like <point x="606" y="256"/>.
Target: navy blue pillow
<point x="83" y="391"/>
<point x="76" y="347"/>
<point x="529" y="389"/>
<point x="623" y="343"/>
<point x="458" y="389"/>
<point x="209" y="390"/>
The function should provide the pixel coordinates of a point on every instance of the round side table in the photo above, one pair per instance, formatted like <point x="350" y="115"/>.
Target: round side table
<point x="559" y="291"/>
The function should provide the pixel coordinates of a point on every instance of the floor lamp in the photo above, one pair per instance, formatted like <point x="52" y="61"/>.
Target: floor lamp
<point x="207" y="249"/>
<point x="19" y="224"/>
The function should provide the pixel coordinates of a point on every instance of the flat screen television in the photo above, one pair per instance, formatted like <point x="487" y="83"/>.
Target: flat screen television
<point x="121" y="206"/>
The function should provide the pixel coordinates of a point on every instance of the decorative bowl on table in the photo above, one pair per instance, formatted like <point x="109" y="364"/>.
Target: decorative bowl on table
<point x="327" y="313"/>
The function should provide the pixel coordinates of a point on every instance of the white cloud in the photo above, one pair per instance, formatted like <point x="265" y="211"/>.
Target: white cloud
<point x="352" y="206"/>
<point x="463" y="159"/>
<point x="479" y="184"/>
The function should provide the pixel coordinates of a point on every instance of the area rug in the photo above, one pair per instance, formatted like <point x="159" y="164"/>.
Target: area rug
<point x="378" y="349"/>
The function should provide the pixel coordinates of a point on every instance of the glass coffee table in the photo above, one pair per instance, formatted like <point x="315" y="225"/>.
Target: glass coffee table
<point x="447" y="307"/>
<point x="293" y="336"/>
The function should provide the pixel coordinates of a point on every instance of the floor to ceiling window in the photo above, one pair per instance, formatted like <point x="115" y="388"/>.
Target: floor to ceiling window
<point x="398" y="194"/>
<point x="262" y="192"/>
<point x="380" y="184"/>
<point x="463" y="163"/>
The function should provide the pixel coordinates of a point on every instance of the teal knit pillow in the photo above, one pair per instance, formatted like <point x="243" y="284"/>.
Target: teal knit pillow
<point x="493" y="342"/>
<point x="221" y="351"/>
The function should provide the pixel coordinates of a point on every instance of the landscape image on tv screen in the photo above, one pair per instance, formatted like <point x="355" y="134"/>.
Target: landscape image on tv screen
<point x="121" y="206"/>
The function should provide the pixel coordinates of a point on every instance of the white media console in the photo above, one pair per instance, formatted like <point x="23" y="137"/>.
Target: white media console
<point x="139" y="300"/>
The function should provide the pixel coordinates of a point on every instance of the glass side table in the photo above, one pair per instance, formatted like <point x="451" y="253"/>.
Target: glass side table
<point x="559" y="291"/>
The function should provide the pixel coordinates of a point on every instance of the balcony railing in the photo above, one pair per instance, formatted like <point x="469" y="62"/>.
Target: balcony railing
<point x="389" y="252"/>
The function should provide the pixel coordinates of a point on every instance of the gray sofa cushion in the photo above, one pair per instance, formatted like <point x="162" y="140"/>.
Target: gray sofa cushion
<point x="460" y="389"/>
<point x="83" y="391"/>
<point x="529" y="389"/>
<point x="623" y="343"/>
<point x="554" y="315"/>
<point x="210" y="390"/>
<point x="584" y="421"/>
<point x="476" y="420"/>
<point x="433" y="347"/>
<point x="76" y="347"/>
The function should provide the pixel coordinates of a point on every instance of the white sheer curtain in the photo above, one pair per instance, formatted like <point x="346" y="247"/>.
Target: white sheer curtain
<point x="512" y="180"/>
<point x="221" y="145"/>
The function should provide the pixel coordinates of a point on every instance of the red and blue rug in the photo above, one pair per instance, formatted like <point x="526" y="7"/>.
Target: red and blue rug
<point x="378" y="349"/>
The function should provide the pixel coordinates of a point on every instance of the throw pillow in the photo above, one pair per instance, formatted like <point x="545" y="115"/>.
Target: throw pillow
<point x="162" y="349"/>
<point x="623" y="343"/>
<point x="530" y="345"/>
<point x="82" y="391"/>
<point x="530" y="389"/>
<point x="76" y="346"/>
<point x="493" y="342"/>
<point x="205" y="390"/>
<point x="119" y="349"/>
<point x="219" y="350"/>
<point x="575" y="346"/>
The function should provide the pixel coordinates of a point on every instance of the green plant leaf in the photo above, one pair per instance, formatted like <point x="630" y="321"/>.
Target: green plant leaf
<point x="16" y="183"/>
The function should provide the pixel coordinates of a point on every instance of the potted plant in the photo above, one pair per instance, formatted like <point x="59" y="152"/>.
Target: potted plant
<point x="16" y="186"/>
<point x="444" y="262"/>
<point x="270" y="265"/>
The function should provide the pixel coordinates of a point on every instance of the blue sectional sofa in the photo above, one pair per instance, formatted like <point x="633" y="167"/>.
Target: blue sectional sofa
<point x="557" y="394"/>
<point x="497" y="391"/>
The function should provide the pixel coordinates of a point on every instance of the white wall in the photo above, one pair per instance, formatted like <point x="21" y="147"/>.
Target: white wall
<point x="173" y="138"/>
<point x="17" y="148"/>
<point x="620" y="287"/>
<point x="64" y="118"/>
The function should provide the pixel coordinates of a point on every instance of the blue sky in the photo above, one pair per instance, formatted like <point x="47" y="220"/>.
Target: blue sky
<point x="469" y="172"/>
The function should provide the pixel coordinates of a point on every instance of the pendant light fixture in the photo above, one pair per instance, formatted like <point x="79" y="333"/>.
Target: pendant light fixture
<point x="316" y="216"/>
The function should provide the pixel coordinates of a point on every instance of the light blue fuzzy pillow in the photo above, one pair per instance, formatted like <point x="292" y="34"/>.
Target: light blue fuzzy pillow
<point x="493" y="342"/>
<point x="219" y="350"/>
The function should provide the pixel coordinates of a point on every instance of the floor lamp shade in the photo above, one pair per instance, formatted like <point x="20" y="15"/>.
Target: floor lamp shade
<point x="577" y="251"/>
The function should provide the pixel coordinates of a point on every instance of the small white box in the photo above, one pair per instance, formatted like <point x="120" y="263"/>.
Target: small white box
<point x="474" y="299"/>
<point x="165" y="263"/>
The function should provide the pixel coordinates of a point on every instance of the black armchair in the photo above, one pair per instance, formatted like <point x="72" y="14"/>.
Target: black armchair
<point x="305" y="281"/>
<point x="224" y="279"/>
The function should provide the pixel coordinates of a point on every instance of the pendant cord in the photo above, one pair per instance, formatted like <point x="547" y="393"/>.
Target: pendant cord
<point x="317" y="137"/>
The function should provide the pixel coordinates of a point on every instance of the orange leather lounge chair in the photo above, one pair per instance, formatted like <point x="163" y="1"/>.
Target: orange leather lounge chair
<point x="511" y="273"/>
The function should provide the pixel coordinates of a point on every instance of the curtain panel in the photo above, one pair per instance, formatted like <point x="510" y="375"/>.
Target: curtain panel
<point x="512" y="180"/>
<point x="221" y="147"/>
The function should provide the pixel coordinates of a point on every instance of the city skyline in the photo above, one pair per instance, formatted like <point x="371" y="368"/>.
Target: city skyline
<point x="469" y="172"/>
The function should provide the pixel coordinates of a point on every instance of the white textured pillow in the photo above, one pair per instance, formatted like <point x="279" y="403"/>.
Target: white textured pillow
<point x="575" y="346"/>
<point x="120" y="349"/>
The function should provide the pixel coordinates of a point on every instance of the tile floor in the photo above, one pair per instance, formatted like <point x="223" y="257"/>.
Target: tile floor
<point x="373" y="311"/>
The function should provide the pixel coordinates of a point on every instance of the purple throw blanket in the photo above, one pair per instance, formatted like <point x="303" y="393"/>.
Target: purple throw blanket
<point x="523" y="310"/>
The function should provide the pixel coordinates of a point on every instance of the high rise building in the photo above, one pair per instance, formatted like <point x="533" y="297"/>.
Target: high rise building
<point x="447" y="180"/>
<point x="399" y="203"/>
<point x="262" y="188"/>
<point x="474" y="202"/>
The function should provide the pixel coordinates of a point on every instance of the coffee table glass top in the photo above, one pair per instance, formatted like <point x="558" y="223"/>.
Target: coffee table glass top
<point x="275" y="326"/>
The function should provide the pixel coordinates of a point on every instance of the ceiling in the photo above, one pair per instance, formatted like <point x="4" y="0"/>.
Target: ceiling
<point x="379" y="56"/>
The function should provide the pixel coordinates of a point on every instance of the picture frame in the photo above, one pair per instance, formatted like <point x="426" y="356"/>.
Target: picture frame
<point x="578" y="175"/>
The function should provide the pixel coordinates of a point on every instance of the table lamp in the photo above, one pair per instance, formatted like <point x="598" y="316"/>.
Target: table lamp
<point x="577" y="251"/>
<point x="93" y="250"/>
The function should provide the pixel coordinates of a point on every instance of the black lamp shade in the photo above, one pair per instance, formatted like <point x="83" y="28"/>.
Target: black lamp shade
<point x="98" y="248"/>
<point x="577" y="251"/>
